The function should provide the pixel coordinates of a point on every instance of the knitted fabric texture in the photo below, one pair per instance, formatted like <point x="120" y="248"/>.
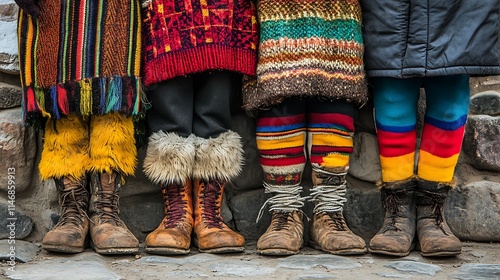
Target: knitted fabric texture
<point x="308" y="48"/>
<point x="187" y="36"/>
<point x="80" y="57"/>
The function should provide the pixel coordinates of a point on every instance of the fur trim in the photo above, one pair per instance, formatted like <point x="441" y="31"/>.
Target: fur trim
<point x="112" y="144"/>
<point x="169" y="158"/>
<point x="218" y="158"/>
<point x="65" y="149"/>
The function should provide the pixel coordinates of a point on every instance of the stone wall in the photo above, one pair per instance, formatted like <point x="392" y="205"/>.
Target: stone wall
<point x="473" y="210"/>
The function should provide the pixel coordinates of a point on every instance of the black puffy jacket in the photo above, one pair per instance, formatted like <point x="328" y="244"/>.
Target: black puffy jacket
<point x="415" y="38"/>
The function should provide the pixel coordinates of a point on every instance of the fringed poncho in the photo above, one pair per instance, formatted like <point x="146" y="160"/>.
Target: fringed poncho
<point x="182" y="37"/>
<point x="308" y="48"/>
<point x="80" y="57"/>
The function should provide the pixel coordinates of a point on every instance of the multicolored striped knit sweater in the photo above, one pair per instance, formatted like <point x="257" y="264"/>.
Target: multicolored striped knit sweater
<point x="308" y="48"/>
<point x="188" y="36"/>
<point x="80" y="57"/>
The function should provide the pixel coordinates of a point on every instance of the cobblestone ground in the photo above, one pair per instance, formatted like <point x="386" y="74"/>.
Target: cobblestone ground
<point x="478" y="261"/>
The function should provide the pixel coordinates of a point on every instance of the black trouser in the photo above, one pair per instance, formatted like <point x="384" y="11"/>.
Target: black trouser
<point x="197" y="104"/>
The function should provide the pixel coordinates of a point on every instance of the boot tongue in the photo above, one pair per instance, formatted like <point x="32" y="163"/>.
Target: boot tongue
<point x="108" y="182"/>
<point x="70" y="184"/>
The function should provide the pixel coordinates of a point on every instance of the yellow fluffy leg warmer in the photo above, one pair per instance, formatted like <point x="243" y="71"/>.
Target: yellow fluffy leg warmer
<point x="65" y="148"/>
<point x="112" y="144"/>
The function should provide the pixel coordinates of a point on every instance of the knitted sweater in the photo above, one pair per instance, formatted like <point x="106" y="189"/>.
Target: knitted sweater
<point x="308" y="48"/>
<point x="80" y="57"/>
<point x="188" y="36"/>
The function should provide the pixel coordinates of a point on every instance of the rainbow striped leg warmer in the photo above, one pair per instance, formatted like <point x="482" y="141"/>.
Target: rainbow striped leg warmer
<point x="395" y="102"/>
<point x="447" y="106"/>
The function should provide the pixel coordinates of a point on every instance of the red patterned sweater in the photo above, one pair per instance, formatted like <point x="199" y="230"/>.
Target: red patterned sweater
<point x="181" y="37"/>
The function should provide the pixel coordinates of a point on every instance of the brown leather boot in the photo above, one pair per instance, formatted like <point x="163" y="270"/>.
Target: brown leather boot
<point x="434" y="234"/>
<point x="173" y="235"/>
<point x="395" y="238"/>
<point x="68" y="236"/>
<point x="329" y="231"/>
<point x="108" y="232"/>
<point x="284" y="236"/>
<point x="211" y="234"/>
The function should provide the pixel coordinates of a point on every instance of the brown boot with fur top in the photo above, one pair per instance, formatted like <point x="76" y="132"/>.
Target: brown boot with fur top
<point x="212" y="235"/>
<point x="173" y="235"/>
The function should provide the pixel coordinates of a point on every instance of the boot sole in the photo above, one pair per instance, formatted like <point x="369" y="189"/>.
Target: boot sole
<point x="441" y="254"/>
<point x="345" y="252"/>
<point x="396" y="254"/>
<point x="277" y="252"/>
<point x="62" y="249"/>
<point x="114" y="251"/>
<point x="166" y="251"/>
<point x="223" y="250"/>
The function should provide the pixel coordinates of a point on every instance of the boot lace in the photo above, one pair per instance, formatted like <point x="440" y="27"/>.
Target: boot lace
<point x="175" y="206"/>
<point x="74" y="204"/>
<point x="210" y="196"/>
<point x="436" y="201"/>
<point x="280" y="220"/>
<point x="286" y="198"/>
<point x="329" y="196"/>
<point x="107" y="208"/>
<point x="392" y="201"/>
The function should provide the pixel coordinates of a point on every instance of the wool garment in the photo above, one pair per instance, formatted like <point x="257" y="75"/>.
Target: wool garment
<point x="395" y="100"/>
<point x="288" y="130"/>
<point x="182" y="37"/>
<point x="308" y="48"/>
<point x="281" y="139"/>
<point x="80" y="57"/>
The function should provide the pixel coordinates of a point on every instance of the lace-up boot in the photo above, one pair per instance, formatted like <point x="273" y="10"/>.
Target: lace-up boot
<point x="434" y="234"/>
<point x="108" y="232"/>
<point x="212" y="235"/>
<point x="329" y="231"/>
<point x="395" y="238"/>
<point x="284" y="236"/>
<point x="173" y="235"/>
<point x="68" y="236"/>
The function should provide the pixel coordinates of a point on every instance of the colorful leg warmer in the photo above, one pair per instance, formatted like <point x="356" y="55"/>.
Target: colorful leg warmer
<point x="281" y="136"/>
<point x="446" y="114"/>
<point x="395" y="102"/>
<point x="169" y="158"/>
<point x="330" y="130"/>
<point x="112" y="144"/>
<point x="65" y="148"/>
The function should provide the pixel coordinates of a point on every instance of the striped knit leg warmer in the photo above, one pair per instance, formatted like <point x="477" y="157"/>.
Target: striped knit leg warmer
<point x="65" y="148"/>
<point x="330" y="130"/>
<point x="281" y="135"/>
<point x="112" y="144"/>
<point x="395" y="102"/>
<point x="446" y="114"/>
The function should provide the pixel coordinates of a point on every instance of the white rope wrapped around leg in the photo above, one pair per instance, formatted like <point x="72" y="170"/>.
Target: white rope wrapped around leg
<point x="285" y="198"/>
<point x="329" y="197"/>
